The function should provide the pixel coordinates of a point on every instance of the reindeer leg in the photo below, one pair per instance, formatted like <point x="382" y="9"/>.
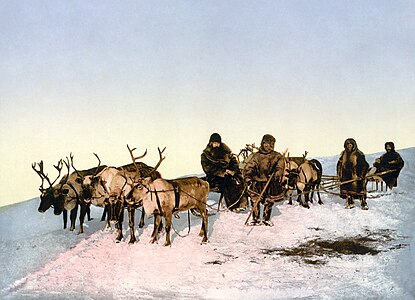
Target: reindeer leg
<point x="318" y="195"/>
<point x="65" y="218"/>
<point x="88" y="211"/>
<point x="306" y="197"/>
<point x="157" y="220"/>
<point x="104" y="213"/>
<point x="141" y="224"/>
<point x="312" y="193"/>
<point x="120" y="220"/>
<point x="131" y="215"/>
<point x="72" y="217"/>
<point x="203" y="213"/>
<point x="290" y="201"/>
<point x="161" y="226"/>
<point x="299" y="200"/>
<point x="167" y="217"/>
<point x="84" y="208"/>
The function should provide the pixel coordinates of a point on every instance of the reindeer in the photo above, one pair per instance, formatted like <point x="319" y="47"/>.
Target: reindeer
<point x="290" y="165"/>
<point x="52" y="196"/>
<point x="110" y="188"/>
<point x="67" y="195"/>
<point x="305" y="179"/>
<point x="163" y="198"/>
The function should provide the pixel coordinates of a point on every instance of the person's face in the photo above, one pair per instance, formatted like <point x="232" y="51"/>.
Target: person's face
<point x="349" y="146"/>
<point x="268" y="146"/>
<point x="215" y="145"/>
<point x="388" y="148"/>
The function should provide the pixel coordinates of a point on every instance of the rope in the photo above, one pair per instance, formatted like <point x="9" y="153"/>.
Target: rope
<point x="188" y="232"/>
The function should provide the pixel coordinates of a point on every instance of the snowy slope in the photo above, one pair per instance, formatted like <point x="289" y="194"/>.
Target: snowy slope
<point x="293" y="259"/>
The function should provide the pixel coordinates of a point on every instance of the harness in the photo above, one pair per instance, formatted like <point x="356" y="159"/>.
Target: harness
<point x="76" y="193"/>
<point x="176" y="190"/>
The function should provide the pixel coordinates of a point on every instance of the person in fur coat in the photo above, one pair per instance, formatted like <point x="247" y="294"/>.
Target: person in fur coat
<point x="265" y="163"/>
<point x="222" y="172"/>
<point x="391" y="160"/>
<point x="352" y="166"/>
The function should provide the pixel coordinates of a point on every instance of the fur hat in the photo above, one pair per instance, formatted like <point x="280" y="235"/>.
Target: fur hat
<point x="391" y="144"/>
<point x="267" y="139"/>
<point x="215" y="137"/>
<point x="351" y="141"/>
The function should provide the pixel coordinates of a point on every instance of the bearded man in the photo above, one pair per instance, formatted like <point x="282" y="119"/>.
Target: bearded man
<point x="222" y="172"/>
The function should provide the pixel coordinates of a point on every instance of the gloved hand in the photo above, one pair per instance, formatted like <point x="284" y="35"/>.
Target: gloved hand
<point x="230" y="172"/>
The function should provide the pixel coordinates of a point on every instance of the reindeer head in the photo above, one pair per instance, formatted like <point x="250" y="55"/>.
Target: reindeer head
<point x="49" y="194"/>
<point x="143" y="176"/>
<point x="85" y="184"/>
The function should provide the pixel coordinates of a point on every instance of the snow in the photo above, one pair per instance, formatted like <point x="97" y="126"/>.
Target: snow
<point x="40" y="260"/>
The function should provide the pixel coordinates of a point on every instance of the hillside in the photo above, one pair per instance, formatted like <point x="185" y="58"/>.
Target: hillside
<point x="325" y="252"/>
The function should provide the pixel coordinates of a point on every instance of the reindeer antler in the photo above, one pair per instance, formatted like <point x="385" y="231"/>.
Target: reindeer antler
<point x="160" y="160"/>
<point x="58" y="167"/>
<point x="135" y="158"/>
<point x="67" y="167"/>
<point x="44" y="176"/>
<point x="99" y="164"/>
<point x="40" y="173"/>
<point x="77" y="173"/>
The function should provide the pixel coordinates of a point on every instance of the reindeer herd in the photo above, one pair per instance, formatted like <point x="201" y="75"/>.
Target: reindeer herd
<point x="138" y="185"/>
<point x="116" y="188"/>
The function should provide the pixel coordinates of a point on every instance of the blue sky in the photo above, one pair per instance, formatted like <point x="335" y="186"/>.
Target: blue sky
<point x="92" y="76"/>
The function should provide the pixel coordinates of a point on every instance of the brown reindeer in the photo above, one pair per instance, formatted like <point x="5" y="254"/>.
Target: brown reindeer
<point x="163" y="198"/>
<point x="66" y="195"/>
<point x="305" y="179"/>
<point x="111" y="187"/>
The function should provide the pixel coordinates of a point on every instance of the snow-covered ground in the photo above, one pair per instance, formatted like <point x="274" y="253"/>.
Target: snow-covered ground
<point x="293" y="259"/>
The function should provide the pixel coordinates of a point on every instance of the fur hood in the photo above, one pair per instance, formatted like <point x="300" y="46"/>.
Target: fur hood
<point x="351" y="141"/>
<point x="217" y="154"/>
<point x="391" y="144"/>
<point x="216" y="160"/>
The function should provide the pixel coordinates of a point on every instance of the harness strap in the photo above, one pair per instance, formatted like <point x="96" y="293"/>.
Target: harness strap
<point x="76" y="193"/>
<point x="176" y="190"/>
<point x="158" y="203"/>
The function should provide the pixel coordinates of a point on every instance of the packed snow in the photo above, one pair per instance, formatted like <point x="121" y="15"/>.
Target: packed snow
<point x="40" y="260"/>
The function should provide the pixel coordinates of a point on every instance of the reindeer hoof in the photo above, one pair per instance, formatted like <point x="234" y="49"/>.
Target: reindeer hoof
<point x="167" y="244"/>
<point x="204" y="242"/>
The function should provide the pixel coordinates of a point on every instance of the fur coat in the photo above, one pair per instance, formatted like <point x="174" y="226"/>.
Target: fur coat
<point x="352" y="165"/>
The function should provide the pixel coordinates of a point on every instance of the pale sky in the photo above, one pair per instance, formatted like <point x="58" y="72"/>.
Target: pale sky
<point x="92" y="76"/>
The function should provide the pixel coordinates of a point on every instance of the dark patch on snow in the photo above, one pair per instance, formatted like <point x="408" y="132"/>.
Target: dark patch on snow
<point x="220" y="262"/>
<point x="317" y="251"/>
<point x="316" y="228"/>
<point x="214" y="262"/>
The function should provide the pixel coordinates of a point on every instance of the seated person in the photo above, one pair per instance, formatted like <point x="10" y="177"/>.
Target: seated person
<point x="391" y="160"/>
<point x="223" y="174"/>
